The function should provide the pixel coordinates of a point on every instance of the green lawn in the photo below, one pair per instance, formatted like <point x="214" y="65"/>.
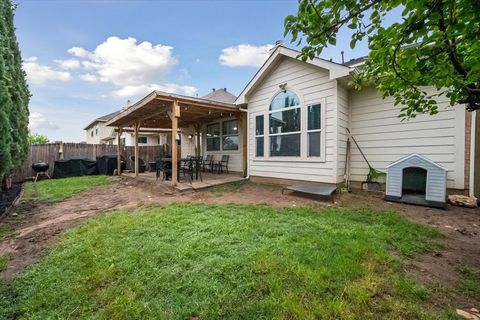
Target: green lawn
<point x="61" y="189"/>
<point x="228" y="262"/>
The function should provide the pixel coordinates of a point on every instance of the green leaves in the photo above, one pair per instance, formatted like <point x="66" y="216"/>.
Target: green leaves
<point x="14" y="96"/>
<point x="435" y="44"/>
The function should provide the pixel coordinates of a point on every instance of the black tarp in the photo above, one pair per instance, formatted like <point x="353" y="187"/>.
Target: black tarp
<point x="74" y="168"/>
<point x="107" y="163"/>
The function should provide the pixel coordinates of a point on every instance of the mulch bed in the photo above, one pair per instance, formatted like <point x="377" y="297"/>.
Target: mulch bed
<point x="7" y="199"/>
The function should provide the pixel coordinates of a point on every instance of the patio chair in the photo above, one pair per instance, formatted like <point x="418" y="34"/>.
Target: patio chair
<point x="141" y="164"/>
<point x="223" y="163"/>
<point x="186" y="168"/>
<point x="207" y="162"/>
<point x="198" y="167"/>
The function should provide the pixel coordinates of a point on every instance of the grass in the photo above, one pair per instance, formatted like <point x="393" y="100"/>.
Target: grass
<point x="227" y="262"/>
<point x="54" y="190"/>
<point x="4" y="260"/>
<point x="470" y="282"/>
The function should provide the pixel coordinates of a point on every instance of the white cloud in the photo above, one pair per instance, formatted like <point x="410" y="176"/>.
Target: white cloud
<point x="89" y="77"/>
<point x="245" y="55"/>
<point x="68" y="64"/>
<point x="139" y="90"/>
<point x="135" y="68"/>
<point x="79" y="52"/>
<point x="39" y="74"/>
<point x="124" y="62"/>
<point x="39" y="121"/>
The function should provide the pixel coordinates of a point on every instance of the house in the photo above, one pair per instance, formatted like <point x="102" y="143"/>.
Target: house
<point x="97" y="132"/>
<point x="291" y="123"/>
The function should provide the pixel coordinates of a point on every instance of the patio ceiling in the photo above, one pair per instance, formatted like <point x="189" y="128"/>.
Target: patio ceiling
<point x="153" y="111"/>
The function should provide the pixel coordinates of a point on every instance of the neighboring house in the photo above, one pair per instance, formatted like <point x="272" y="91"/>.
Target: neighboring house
<point x="306" y="137"/>
<point x="297" y="116"/>
<point x="98" y="133"/>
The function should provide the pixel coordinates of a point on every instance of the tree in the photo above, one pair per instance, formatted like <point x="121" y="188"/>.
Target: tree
<point x="437" y="43"/>
<point x="36" y="138"/>
<point x="14" y="96"/>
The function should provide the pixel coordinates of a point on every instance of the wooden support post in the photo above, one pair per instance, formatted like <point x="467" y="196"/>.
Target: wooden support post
<point x="198" y="128"/>
<point x="136" y="128"/>
<point x="243" y="126"/>
<point x="119" y="152"/>
<point x="174" y="115"/>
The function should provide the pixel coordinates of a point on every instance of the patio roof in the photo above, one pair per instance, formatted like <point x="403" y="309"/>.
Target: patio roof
<point x="167" y="110"/>
<point x="153" y="111"/>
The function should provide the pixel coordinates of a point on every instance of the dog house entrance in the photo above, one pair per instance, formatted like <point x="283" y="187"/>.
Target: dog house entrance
<point x="414" y="185"/>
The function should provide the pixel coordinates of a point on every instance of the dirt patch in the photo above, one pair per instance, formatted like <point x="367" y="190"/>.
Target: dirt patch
<point x="41" y="224"/>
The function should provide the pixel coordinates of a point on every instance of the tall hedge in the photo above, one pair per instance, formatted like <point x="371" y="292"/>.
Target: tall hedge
<point x="14" y="95"/>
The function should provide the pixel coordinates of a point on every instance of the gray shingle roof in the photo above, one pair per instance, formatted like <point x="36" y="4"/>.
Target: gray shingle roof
<point x="104" y="118"/>
<point x="220" y="95"/>
<point x="108" y="116"/>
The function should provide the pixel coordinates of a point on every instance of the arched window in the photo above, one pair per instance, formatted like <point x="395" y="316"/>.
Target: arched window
<point x="284" y="124"/>
<point x="284" y="99"/>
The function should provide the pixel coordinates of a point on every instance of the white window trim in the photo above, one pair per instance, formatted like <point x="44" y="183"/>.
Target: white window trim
<point x="259" y="135"/>
<point x="321" y="130"/>
<point x="303" y="133"/>
<point x="269" y="135"/>
<point x="221" y="151"/>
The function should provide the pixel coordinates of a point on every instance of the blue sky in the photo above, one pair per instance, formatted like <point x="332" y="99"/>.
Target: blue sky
<point x="125" y="49"/>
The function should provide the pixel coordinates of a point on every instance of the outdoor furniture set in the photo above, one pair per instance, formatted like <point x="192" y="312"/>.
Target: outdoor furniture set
<point x="191" y="167"/>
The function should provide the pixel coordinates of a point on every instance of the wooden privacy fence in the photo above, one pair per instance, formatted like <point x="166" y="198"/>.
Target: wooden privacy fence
<point x="51" y="152"/>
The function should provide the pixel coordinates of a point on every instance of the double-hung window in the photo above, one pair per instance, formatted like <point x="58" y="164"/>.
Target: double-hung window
<point x="285" y="125"/>
<point x="259" y="136"/>
<point x="213" y="137"/>
<point x="314" y="129"/>
<point x="230" y="138"/>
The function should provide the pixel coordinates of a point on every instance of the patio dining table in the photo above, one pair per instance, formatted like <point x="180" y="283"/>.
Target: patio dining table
<point x="180" y="163"/>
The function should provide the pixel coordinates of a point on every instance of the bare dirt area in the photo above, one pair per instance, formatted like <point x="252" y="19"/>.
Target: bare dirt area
<point x="42" y="223"/>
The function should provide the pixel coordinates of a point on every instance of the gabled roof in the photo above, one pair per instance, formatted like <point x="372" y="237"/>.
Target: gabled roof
<point x="335" y="70"/>
<point x="416" y="155"/>
<point x="104" y="118"/>
<point x="355" y="62"/>
<point x="220" y="95"/>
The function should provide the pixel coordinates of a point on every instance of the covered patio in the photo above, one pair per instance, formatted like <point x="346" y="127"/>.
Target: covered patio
<point x="192" y="118"/>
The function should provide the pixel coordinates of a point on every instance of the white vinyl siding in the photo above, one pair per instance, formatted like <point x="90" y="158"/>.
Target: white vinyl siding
<point x="342" y="125"/>
<point x="313" y="86"/>
<point x="384" y="138"/>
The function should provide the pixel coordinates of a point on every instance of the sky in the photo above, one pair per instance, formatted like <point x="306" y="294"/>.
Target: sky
<point x="85" y="59"/>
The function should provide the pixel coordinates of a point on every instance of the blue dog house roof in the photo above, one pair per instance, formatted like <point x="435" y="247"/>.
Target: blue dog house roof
<point x="413" y="155"/>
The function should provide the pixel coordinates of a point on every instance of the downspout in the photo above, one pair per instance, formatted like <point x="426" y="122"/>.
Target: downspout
<point x="471" y="180"/>
<point x="248" y="141"/>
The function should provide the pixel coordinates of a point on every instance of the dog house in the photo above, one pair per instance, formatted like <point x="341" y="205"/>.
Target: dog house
<point x="417" y="180"/>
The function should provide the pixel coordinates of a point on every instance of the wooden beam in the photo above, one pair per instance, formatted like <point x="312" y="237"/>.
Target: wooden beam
<point x="243" y="125"/>
<point x="119" y="152"/>
<point x="137" y="126"/>
<point x="174" y="115"/>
